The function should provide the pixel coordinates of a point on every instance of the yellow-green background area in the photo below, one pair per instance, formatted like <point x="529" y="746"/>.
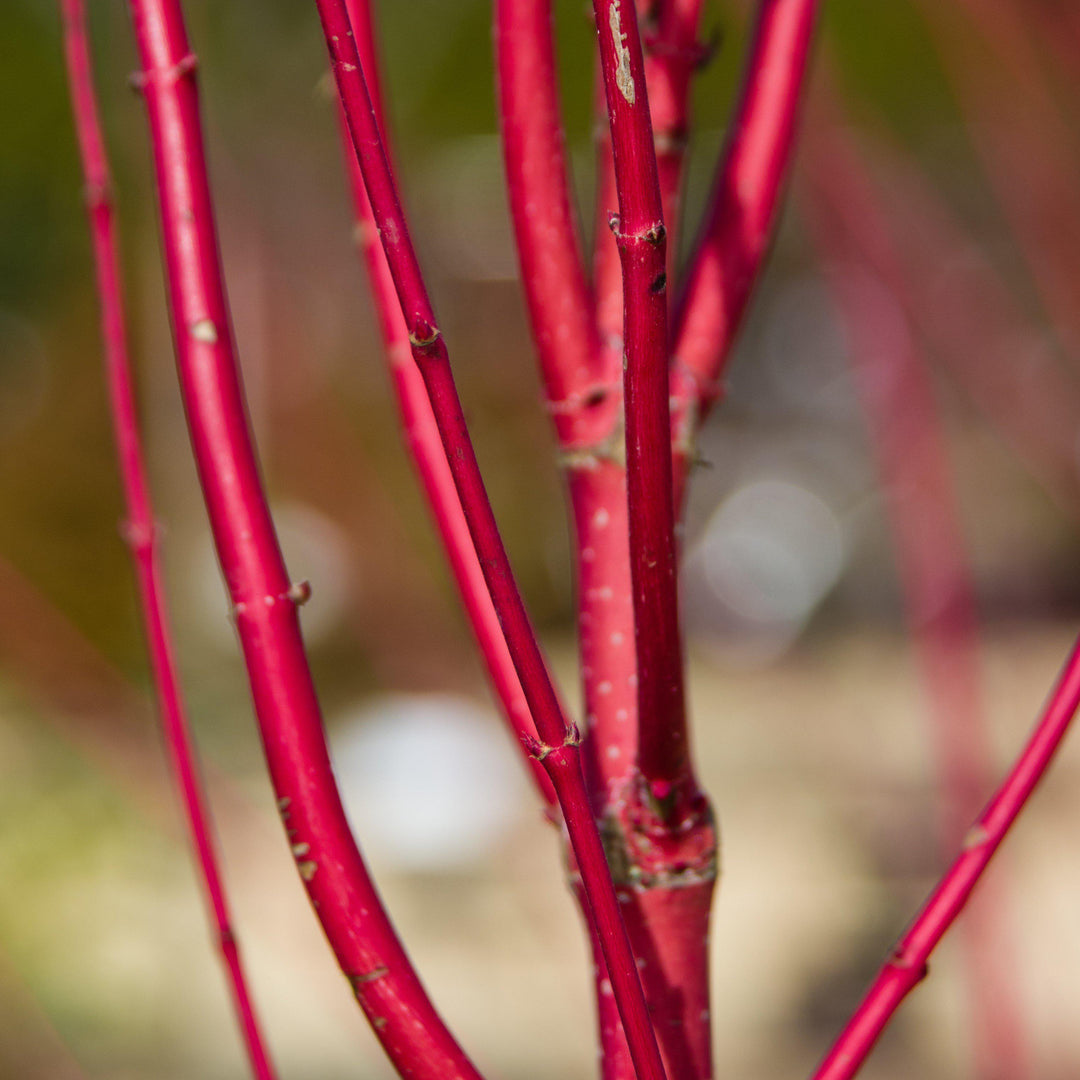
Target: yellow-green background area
<point x="813" y="739"/>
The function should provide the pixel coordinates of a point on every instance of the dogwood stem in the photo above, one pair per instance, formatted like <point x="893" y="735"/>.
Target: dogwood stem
<point x="140" y="529"/>
<point x="663" y="747"/>
<point x="907" y="964"/>
<point x="264" y="599"/>
<point x="422" y="433"/>
<point x="557" y="743"/>
<point x="741" y="215"/>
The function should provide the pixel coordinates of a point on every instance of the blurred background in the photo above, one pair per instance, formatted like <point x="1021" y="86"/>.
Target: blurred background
<point x="929" y="257"/>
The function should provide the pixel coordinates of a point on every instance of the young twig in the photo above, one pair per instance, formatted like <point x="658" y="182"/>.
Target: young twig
<point x="264" y="600"/>
<point x="140" y="529"/>
<point x="939" y="599"/>
<point x="663" y="748"/>
<point x="552" y="271"/>
<point x="907" y="964"/>
<point x="556" y="746"/>
<point x="422" y="433"/>
<point x="741" y="216"/>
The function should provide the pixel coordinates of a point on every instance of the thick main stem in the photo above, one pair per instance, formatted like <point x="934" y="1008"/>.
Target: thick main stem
<point x="907" y="964"/>
<point x="140" y="528"/>
<point x="556" y="746"/>
<point x="264" y="600"/>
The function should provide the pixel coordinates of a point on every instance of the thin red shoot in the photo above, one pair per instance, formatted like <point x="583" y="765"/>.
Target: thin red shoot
<point x="742" y="212"/>
<point x="264" y="600"/>
<point x="422" y="433"/>
<point x="663" y="744"/>
<point x="552" y="270"/>
<point x="907" y="964"/>
<point x="557" y="743"/>
<point x="140" y="530"/>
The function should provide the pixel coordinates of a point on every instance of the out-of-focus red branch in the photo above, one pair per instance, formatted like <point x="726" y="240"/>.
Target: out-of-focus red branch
<point x="938" y="594"/>
<point x="907" y="964"/>
<point x="140" y="529"/>
<point x="557" y="744"/>
<point x="742" y="212"/>
<point x="264" y="600"/>
<point x="422" y="433"/>
<point x="1027" y="149"/>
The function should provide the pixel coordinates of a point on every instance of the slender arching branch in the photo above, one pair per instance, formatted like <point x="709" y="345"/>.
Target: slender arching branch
<point x="140" y="529"/>
<point x="557" y="743"/>
<point x="421" y="432"/>
<point x="742" y="212"/>
<point x="264" y="599"/>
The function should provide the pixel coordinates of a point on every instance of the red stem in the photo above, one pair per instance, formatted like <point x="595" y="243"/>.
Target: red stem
<point x="552" y="271"/>
<point x="556" y="746"/>
<point x="742" y="212"/>
<point x="907" y="964"/>
<point x="968" y="316"/>
<point x="264" y="601"/>
<point x="663" y="750"/>
<point x="140" y="530"/>
<point x="899" y="404"/>
<point x="1024" y="145"/>
<point x="422" y="433"/>
<point x="672" y="55"/>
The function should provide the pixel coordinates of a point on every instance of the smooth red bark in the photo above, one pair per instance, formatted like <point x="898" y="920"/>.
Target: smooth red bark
<point x="742" y="213"/>
<point x="557" y="744"/>
<point x="663" y="750"/>
<point x="140" y="530"/>
<point x="581" y="397"/>
<point x="907" y="964"/>
<point x="422" y="432"/>
<point x="264" y="599"/>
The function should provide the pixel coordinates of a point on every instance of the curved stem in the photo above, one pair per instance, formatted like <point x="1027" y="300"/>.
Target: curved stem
<point x="742" y="212"/>
<point x="140" y="529"/>
<point x="264" y="600"/>
<point x="906" y="966"/>
<point x="557" y="744"/>
<point x="422" y="433"/>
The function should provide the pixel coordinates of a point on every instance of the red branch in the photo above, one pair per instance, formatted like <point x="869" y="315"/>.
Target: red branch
<point x="422" y="433"/>
<point x="556" y="746"/>
<point x="552" y="271"/>
<point x="663" y="751"/>
<point x="742" y="211"/>
<point x="938" y="594"/>
<point x="907" y="964"/>
<point x="264" y="600"/>
<point x="140" y="530"/>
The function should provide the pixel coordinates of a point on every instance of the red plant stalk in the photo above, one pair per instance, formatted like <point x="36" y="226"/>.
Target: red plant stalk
<point x="557" y="743"/>
<point x="581" y="401"/>
<point x="672" y="56"/>
<point x="661" y="837"/>
<point x="1024" y="144"/>
<point x="422" y="433"/>
<point x="967" y="315"/>
<point x="741" y="216"/>
<point x="264" y="600"/>
<point x="907" y="964"/>
<point x="140" y="530"/>
<point x="663" y="746"/>
<point x="899" y="404"/>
